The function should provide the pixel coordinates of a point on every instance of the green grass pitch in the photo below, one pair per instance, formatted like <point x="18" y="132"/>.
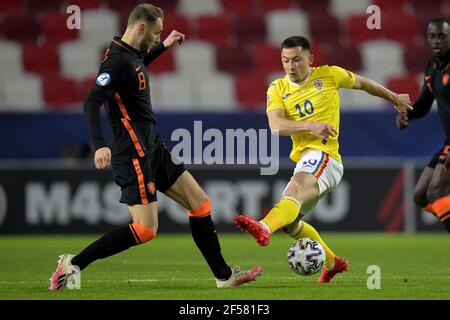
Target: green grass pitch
<point x="171" y="268"/>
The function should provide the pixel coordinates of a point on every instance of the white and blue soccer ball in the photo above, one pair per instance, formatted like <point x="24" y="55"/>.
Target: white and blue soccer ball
<point x="306" y="256"/>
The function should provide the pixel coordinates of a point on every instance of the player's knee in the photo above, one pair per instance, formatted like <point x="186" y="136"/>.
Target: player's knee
<point x="141" y="233"/>
<point x="202" y="210"/>
<point x="291" y="189"/>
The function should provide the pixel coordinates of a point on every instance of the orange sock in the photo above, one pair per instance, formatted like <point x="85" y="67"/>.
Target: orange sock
<point x="141" y="233"/>
<point x="429" y="208"/>
<point x="441" y="207"/>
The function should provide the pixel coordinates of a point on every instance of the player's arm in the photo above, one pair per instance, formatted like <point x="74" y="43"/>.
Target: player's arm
<point x="279" y="125"/>
<point x="173" y="38"/>
<point x="421" y="107"/>
<point x="108" y="80"/>
<point x="400" y="101"/>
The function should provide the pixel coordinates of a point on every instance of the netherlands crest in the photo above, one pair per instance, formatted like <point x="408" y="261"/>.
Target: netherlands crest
<point x="151" y="187"/>
<point x="318" y="84"/>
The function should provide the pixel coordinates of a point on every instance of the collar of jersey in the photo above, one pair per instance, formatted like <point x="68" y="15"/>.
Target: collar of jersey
<point x="126" y="46"/>
<point x="443" y="61"/>
<point x="301" y="83"/>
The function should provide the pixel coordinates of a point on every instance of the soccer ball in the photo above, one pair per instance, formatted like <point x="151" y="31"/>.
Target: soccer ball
<point x="306" y="256"/>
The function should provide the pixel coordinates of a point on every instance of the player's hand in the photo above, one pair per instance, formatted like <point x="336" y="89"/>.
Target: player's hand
<point x="102" y="158"/>
<point x="403" y="103"/>
<point x="173" y="38"/>
<point x="322" y="130"/>
<point x="402" y="120"/>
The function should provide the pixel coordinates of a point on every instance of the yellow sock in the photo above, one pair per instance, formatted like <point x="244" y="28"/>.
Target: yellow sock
<point x="282" y="214"/>
<point x="308" y="231"/>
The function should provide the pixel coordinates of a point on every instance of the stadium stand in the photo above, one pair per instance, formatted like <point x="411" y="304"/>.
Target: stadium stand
<point x="281" y="23"/>
<point x="233" y="45"/>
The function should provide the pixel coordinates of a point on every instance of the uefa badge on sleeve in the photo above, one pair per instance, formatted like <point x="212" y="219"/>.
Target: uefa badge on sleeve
<point x="103" y="79"/>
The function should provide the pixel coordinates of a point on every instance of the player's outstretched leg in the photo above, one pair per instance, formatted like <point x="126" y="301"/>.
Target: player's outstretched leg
<point x="188" y="193"/>
<point x="282" y="214"/>
<point x="206" y="239"/>
<point x="108" y="245"/>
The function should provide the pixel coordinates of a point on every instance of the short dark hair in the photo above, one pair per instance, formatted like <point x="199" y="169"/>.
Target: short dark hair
<point x="147" y="12"/>
<point x="295" y="41"/>
<point x="440" y="20"/>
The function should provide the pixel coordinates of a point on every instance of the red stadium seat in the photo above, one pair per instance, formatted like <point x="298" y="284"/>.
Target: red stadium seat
<point x="266" y="58"/>
<point x="319" y="55"/>
<point x="46" y="5"/>
<point x="233" y="59"/>
<point x="215" y="29"/>
<point x="347" y="57"/>
<point x="406" y="84"/>
<point x="8" y="6"/>
<point x="420" y="6"/>
<point x="248" y="28"/>
<point x="424" y="17"/>
<point x="416" y="57"/>
<point x="22" y="27"/>
<point x="60" y="92"/>
<point x="55" y="30"/>
<point x="399" y="27"/>
<point x="173" y="20"/>
<point x="356" y="29"/>
<point x="164" y="63"/>
<point x="396" y="26"/>
<point x="317" y="5"/>
<point x="269" y="5"/>
<point x="42" y="60"/>
<point x="251" y="90"/>
<point x="84" y="86"/>
<point x="166" y="5"/>
<point x="86" y="4"/>
<point x="397" y="6"/>
<point x="321" y="32"/>
<point x="121" y="6"/>
<point x="239" y="7"/>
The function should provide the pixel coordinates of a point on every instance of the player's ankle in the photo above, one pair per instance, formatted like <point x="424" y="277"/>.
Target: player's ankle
<point x="265" y="226"/>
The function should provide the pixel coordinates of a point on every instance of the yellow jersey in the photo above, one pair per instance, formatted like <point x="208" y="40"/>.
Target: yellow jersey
<point x="315" y="99"/>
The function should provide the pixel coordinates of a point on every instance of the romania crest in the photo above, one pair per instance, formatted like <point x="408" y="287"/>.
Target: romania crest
<point x="318" y="84"/>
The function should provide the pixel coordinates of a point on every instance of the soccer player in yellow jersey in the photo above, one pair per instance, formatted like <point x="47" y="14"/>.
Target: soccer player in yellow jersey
<point x="304" y="105"/>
